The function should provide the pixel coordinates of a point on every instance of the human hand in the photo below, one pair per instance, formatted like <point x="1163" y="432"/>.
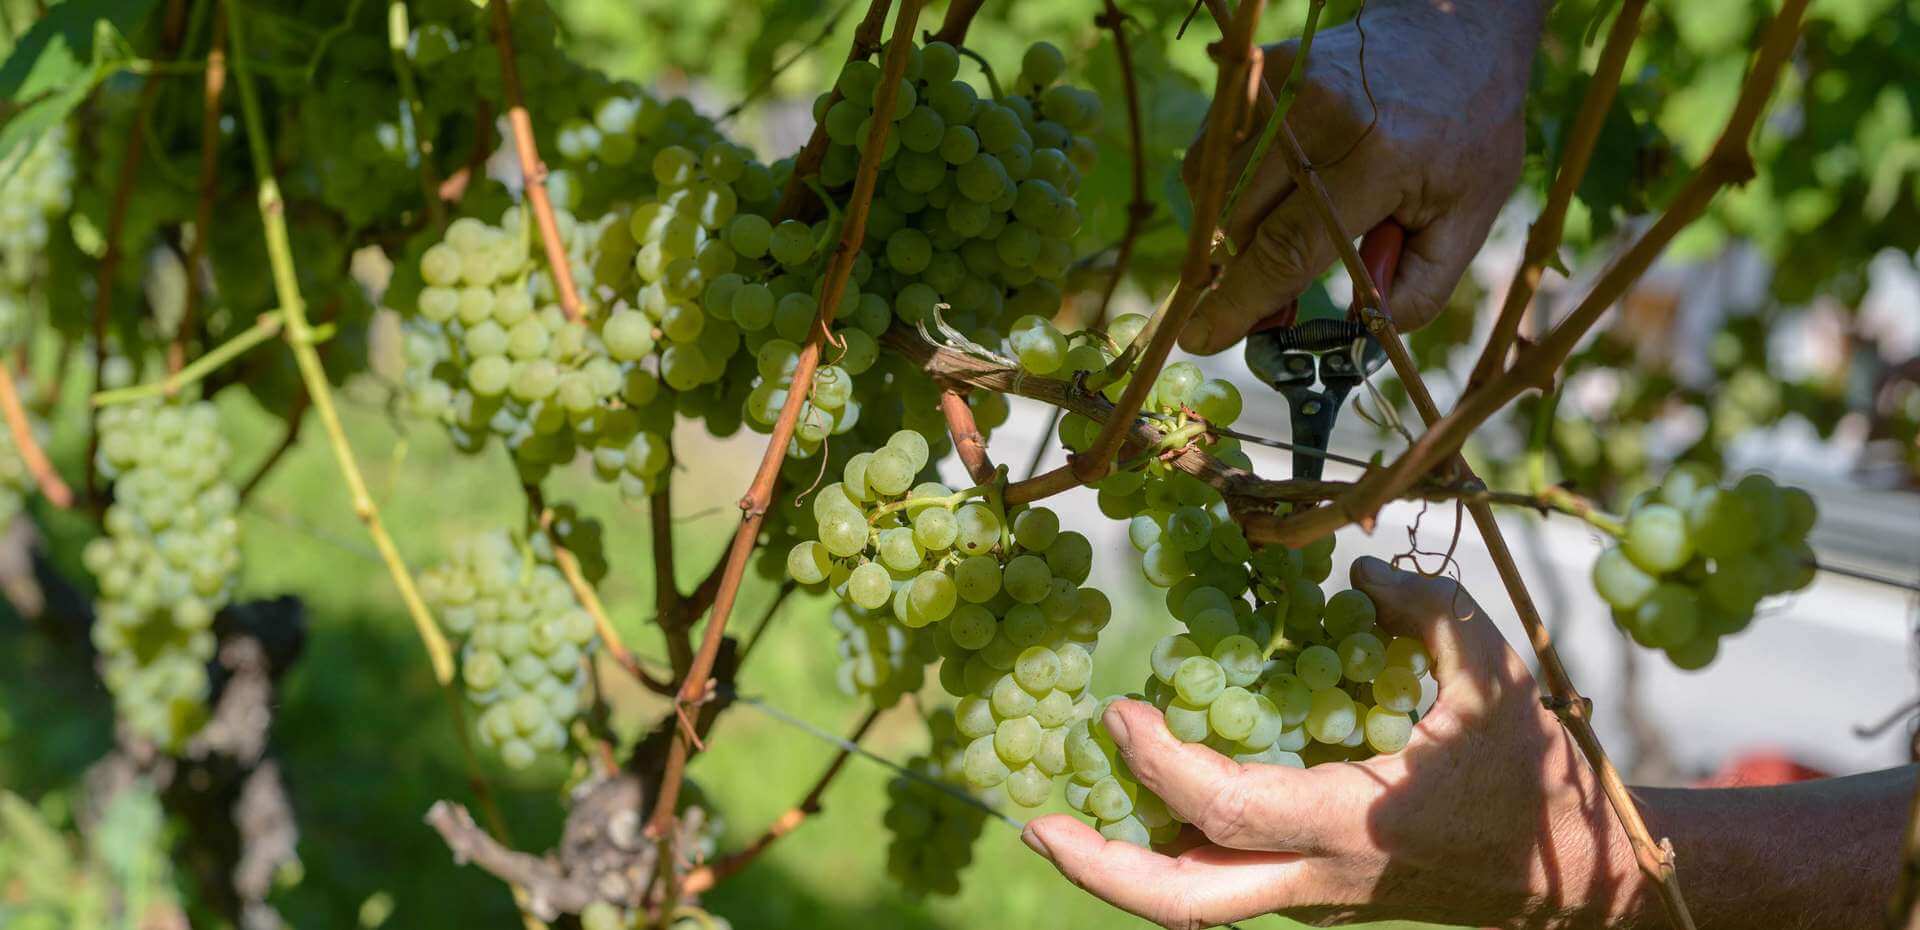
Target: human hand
<point x="1489" y="816"/>
<point x="1429" y="133"/>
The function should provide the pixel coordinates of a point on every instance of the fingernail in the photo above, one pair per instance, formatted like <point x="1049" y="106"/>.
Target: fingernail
<point x="1034" y="842"/>
<point x="1117" y="728"/>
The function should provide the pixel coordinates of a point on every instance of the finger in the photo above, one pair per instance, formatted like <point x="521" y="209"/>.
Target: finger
<point x="1257" y="807"/>
<point x="1472" y="664"/>
<point x="1291" y="248"/>
<point x="1203" y="887"/>
<point x="1431" y="264"/>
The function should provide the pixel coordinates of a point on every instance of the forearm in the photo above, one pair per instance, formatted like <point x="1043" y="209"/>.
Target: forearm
<point x="1821" y="854"/>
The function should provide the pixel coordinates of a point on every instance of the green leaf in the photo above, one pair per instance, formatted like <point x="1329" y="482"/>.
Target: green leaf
<point x="60" y="49"/>
<point x="38" y="119"/>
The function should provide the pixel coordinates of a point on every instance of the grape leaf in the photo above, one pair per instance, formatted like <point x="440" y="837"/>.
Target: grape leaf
<point x="60" y="49"/>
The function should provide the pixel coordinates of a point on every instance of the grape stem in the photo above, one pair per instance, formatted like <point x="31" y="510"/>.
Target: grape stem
<point x="533" y="171"/>
<point x="1231" y="99"/>
<point x="1543" y="237"/>
<point x="949" y="501"/>
<point x="694" y="686"/>
<point x="1139" y="208"/>
<point x="986" y="70"/>
<point x="265" y="327"/>
<point x="706" y="876"/>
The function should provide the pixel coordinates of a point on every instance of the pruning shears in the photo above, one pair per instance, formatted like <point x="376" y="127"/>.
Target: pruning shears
<point x="1290" y="355"/>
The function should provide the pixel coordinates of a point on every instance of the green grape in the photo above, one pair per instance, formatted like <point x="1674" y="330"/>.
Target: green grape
<point x="971" y="626"/>
<point x="1218" y="402"/>
<point x="1027" y="579"/>
<point x="935" y="529"/>
<point x="1388" y="731"/>
<point x="1199" y="680"/>
<point x="1349" y="612"/>
<point x="1169" y="654"/>
<point x="1037" y="669"/>
<point x="1318" y="667"/>
<point x="979" y="530"/>
<point x="1332" y="716"/>
<point x="809" y="562"/>
<point x="1187" y="722"/>
<point x="1036" y="528"/>
<point x="1290" y="696"/>
<point x="1240" y="657"/>
<point x="1409" y="653"/>
<point x="982" y="765"/>
<point x="889" y="472"/>
<point x="977" y="577"/>
<point x="932" y="596"/>
<point x="1621" y="583"/>
<point x="1397" y="689"/>
<point x="791" y="243"/>
<point x="870" y="586"/>
<point x="1234" y="713"/>
<point x="1722" y="523"/>
<point x="1668" y="617"/>
<point x="1362" y="656"/>
<point x="1029" y="787"/>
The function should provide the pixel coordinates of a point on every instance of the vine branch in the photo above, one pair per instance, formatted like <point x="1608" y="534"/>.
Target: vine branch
<point x="300" y="339"/>
<point x="694" y="685"/>
<point x="51" y="486"/>
<point x="532" y="169"/>
<point x="1543" y="237"/>
<point x="967" y="441"/>
<point x="1234" y="53"/>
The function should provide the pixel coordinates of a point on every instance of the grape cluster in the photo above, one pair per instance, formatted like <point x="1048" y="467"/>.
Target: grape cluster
<point x="167" y="564"/>
<point x="933" y="831"/>
<point x="1331" y="687"/>
<point x="685" y="261"/>
<point x="36" y="186"/>
<point x="1007" y="614"/>
<point x="879" y="658"/>
<point x="524" y="641"/>
<point x="489" y="360"/>
<point x="975" y="212"/>
<point x="1696" y="557"/>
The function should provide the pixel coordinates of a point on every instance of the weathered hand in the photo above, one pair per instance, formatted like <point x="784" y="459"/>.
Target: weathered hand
<point x="1489" y="817"/>
<point x="1414" y="114"/>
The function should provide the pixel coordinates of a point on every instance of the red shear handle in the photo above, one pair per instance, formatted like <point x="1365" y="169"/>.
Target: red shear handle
<point x="1379" y="251"/>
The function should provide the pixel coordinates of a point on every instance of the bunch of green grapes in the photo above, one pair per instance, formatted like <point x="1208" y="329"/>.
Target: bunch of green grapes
<point x="933" y="831"/>
<point x="879" y="658"/>
<point x="36" y="187"/>
<point x="167" y="564"/>
<point x="1696" y="557"/>
<point x="1330" y="686"/>
<point x="605" y="915"/>
<point x="975" y="212"/>
<point x="1010" y="620"/>
<point x="685" y="264"/>
<point x="524" y="642"/>
<point x="489" y="359"/>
